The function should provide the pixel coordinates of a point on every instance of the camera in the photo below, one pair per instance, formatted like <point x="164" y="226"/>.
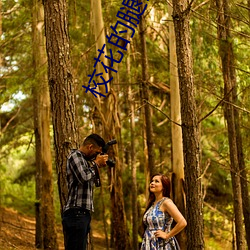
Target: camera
<point x="110" y="162"/>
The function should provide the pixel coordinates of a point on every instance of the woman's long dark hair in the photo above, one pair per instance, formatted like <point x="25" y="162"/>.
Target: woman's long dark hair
<point x="166" y="185"/>
<point x="166" y="189"/>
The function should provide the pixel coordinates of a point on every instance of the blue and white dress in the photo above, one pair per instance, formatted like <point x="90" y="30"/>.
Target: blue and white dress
<point x="155" y="220"/>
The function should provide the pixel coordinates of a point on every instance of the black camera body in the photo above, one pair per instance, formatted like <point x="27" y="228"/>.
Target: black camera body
<point x="110" y="162"/>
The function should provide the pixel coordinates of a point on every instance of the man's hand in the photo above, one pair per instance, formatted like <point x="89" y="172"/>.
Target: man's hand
<point x="101" y="160"/>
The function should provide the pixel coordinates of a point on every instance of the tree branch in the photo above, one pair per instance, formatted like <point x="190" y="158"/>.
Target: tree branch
<point x="162" y="112"/>
<point x="10" y="120"/>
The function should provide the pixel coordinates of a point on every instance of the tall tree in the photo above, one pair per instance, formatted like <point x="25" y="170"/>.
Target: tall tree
<point x="145" y="98"/>
<point x="176" y="132"/>
<point x="108" y="112"/>
<point x="46" y="237"/>
<point x="181" y="17"/>
<point x="61" y="87"/>
<point x="231" y="115"/>
<point x="132" y="157"/>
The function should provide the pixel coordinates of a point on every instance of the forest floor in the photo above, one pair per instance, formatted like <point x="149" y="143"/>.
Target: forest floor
<point x="18" y="232"/>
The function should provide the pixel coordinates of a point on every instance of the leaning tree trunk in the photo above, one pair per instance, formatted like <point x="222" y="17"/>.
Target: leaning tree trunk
<point x="181" y="16"/>
<point x="230" y="93"/>
<point x="176" y="132"/>
<point x="46" y="237"/>
<point x="61" y="87"/>
<point x="108" y="112"/>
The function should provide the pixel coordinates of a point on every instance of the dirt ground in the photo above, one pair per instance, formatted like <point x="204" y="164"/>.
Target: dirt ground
<point x="18" y="232"/>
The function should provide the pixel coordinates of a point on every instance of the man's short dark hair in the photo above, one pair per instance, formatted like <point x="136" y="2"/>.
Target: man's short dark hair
<point x="94" y="139"/>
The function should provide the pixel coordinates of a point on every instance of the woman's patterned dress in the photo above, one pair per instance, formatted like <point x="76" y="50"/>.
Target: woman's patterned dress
<point x="155" y="220"/>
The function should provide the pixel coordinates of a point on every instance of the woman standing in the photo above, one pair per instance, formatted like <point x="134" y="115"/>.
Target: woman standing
<point x="159" y="215"/>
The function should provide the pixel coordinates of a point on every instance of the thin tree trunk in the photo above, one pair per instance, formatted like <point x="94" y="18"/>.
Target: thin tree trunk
<point x="104" y="219"/>
<point x="145" y="97"/>
<point x="176" y="132"/>
<point x="134" y="179"/>
<point x="189" y="126"/>
<point x="233" y="236"/>
<point x="230" y="92"/>
<point x="61" y="88"/>
<point x="133" y="163"/>
<point x="46" y="236"/>
<point x="243" y="179"/>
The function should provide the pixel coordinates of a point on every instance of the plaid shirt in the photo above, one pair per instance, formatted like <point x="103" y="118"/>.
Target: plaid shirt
<point x="80" y="179"/>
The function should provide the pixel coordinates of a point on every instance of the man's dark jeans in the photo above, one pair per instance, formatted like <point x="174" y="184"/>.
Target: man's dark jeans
<point x="76" y="226"/>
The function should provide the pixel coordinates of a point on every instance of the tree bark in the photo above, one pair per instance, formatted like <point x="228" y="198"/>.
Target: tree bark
<point x="46" y="237"/>
<point x="132" y="156"/>
<point x="231" y="116"/>
<point x="108" y="112"/>
<point x="176" y="131"/>
<point x="61" y="88"/>
<point x="46" y="234"/>
<point x="243" y="178"/>
<point x="105" y="226"/>
<point x="145" y="98"/>
<point x="181" y="16"/>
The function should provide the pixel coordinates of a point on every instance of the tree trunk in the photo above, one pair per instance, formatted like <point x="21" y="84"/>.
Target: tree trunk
<point x="111" y="129"/>
<point x="145" y="97"/>
<point x="133" y="163"/>
<point x="105" y="226"/>
<point x="46" y="237"/>
<point x="243" y="179"/>
<point x="134" y="179"/>
<point x="176" y="132"/>
<point x="189" y="126"/>
<point x="231" y="116"/>
<point x="61" y="88"/>
<point x="36" y="91"/>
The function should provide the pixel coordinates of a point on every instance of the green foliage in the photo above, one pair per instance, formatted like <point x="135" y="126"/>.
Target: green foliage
<point x="18" y="188"/>
<point x="19" y="197"/>
<point x="212" y="244"/>
<point x="218" y="228"/>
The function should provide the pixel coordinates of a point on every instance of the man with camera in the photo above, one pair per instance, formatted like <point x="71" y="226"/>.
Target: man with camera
<point x="82" y="173"/>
